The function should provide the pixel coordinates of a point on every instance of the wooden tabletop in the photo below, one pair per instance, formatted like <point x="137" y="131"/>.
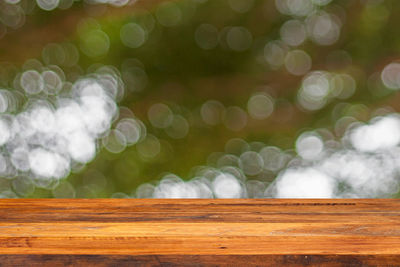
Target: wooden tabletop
<point x="138" y="232"/>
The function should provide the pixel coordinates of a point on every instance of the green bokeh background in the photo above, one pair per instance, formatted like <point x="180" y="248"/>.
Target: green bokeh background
<point x="184" y="76"/>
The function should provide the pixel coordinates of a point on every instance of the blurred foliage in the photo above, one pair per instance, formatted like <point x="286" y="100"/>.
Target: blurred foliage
<point x="165" y="64"/>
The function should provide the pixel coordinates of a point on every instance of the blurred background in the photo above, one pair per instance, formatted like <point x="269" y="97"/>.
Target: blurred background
<point x="199" y="98"/>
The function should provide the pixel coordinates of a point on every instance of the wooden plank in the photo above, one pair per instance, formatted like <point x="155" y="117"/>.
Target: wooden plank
<point x="130" y="210"/>
<point x="122" y="232"/>
<point x="198" y="260"/>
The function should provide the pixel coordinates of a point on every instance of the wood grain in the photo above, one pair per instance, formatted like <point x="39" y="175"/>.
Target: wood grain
<point x="137" y="232"/>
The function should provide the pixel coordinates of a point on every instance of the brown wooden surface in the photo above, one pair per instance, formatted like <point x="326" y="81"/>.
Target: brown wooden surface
<point x="136" y="232"/>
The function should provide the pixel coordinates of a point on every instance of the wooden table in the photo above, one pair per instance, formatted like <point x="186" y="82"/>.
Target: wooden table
<point x="137" y="232"/>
